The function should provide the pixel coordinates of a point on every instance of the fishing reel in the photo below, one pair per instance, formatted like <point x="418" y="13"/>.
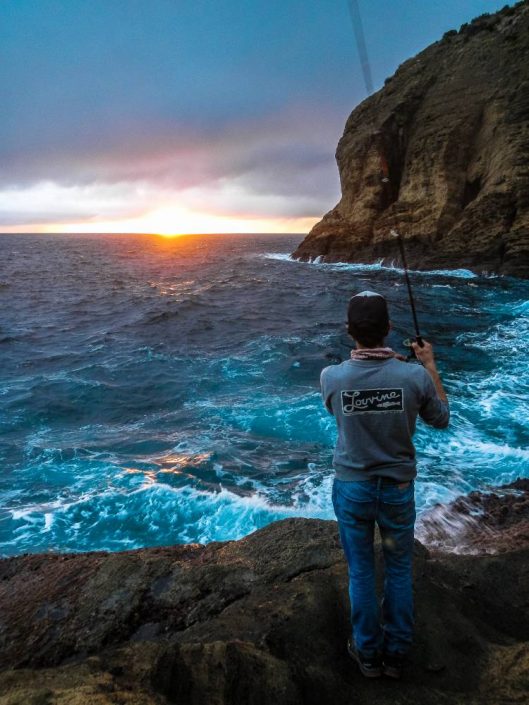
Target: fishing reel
<point x="408" y="344"/>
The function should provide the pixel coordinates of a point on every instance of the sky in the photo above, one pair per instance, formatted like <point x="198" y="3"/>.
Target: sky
<point x="189" y="116"/>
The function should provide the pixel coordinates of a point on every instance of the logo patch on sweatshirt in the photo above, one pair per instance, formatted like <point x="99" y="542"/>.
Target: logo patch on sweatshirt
<point x="364" y="401"/>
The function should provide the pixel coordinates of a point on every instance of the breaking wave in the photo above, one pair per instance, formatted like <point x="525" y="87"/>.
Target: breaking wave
<point x="156" y="391"/>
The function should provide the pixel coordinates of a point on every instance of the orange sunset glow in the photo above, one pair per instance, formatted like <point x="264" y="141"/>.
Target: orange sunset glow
<point x="174" y="220"/>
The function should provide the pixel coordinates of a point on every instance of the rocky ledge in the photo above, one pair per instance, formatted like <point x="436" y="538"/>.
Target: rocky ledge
<point x="263" y="620"/>
<point x="453" y="126"/>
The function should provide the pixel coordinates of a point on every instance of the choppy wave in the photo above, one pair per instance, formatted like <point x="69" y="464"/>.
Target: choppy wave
<point x="374" y="267"/>
<point x="156" y="391"/>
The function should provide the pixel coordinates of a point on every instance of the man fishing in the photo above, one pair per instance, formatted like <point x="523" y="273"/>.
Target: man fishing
<point x="375" y="398"/>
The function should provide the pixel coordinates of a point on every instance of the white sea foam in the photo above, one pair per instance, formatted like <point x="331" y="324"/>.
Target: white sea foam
<point x="159" y="511"/>
<point x="375" y="266"/>
<point x="249" y="440"/>
<point x="281" y="256"/>
<point x="458" y="273"/>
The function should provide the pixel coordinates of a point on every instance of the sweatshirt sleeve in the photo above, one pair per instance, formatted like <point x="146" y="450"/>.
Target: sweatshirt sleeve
<point x="325" y="393"/>
<point x="433" y="411"/>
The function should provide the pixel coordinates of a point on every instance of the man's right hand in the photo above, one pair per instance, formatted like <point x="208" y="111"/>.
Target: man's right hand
<point x="424" y="354"/>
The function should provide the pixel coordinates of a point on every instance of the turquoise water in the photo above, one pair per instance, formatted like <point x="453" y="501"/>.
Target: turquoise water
<point x="157" y="391"/>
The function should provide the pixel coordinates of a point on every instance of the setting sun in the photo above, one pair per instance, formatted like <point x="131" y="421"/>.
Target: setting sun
<point x="176" y="220"/>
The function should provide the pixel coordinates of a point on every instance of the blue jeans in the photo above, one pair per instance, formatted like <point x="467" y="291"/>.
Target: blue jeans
<point x="358" y="505"/>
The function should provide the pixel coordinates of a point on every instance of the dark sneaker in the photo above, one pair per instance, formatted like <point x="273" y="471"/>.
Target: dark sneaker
<point x="392" y="665"/>
<point x="370" y="667"/>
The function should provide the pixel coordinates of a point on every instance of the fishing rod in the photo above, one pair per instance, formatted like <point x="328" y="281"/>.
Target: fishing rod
<point x="356" y="18"/>
<point x="418" y="337"/>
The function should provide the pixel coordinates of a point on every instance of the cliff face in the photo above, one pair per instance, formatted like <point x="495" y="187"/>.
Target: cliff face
<point x="264" y="620"/>
<point x="453" y="126"/>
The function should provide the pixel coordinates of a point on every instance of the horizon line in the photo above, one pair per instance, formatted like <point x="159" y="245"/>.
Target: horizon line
<point x="102" y="232"/>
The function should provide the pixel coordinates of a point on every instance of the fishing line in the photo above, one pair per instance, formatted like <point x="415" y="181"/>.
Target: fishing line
<point x="356" y="18"/>
<point x="361" y="44"/>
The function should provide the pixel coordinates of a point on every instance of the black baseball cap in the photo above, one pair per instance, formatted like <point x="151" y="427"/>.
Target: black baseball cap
<point x="367" y="316"/>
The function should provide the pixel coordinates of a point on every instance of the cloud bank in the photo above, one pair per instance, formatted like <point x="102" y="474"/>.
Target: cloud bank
<point x="278" y="166"/>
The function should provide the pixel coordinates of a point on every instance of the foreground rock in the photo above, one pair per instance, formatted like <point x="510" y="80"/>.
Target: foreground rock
<point x="481" y="522"/>
<point x="453" y="125"/>
<point x="260" y="621"/>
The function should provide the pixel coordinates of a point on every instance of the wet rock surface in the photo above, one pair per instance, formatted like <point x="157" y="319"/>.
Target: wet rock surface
<point x="452" y="125"/>
<point x="264" y="620"/>
<point x="480" y="522"/>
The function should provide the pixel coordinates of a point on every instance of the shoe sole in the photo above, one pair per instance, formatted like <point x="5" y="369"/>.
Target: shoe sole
<point x="367" y="674"/>
<point x="392" y="672"/>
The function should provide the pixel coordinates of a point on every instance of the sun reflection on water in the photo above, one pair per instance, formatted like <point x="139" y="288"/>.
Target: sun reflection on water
<point x="170" y="464"/>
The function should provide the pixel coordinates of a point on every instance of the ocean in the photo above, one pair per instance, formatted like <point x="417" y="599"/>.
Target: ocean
<point x="162" y="390"/>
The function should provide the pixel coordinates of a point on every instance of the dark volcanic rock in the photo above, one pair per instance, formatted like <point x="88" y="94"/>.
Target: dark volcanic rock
<point x="481" y="522"/>
<point x="453" y="126"/>
<point x="260" y="621"/>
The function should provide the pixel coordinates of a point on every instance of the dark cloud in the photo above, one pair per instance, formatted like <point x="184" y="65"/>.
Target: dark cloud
<point x="185" y="97"/>
<point x="287" y="156"/>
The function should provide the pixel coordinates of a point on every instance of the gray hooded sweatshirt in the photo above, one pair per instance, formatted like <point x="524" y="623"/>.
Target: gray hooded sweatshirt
<point x="375" y="404"/>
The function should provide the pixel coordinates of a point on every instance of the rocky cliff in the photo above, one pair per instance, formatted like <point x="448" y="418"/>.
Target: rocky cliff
<point x="264" y="620"/>
<point x="452" y="125"/>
